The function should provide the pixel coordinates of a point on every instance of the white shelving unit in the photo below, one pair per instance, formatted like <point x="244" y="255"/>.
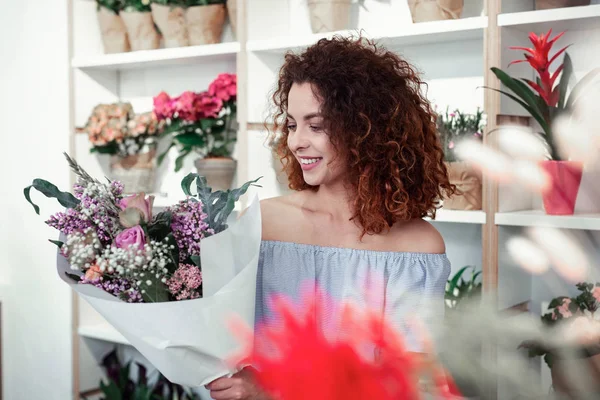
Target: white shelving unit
<point x="540" y="219"/>
<point x="460" y="216"/>
<point x="583" y="17"/>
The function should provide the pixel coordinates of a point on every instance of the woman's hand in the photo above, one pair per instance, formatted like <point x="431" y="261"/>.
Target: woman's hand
<point x="240" y="386"/>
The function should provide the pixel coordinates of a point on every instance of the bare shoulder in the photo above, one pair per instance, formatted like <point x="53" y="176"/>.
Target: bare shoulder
<point x="418" y="236"/>
<point x="279" y="214"/>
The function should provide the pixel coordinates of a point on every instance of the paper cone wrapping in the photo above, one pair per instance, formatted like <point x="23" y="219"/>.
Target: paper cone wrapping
<point x="546" y="4"/>
<point x="232" y="12"/>
<point x="190" y="341"/>
<point x="141" y="31"/>
<point x="435" y="10"/>
<point x="171" y="22"/>
<point x="468" y="185"/>
<point x="113" y="32"/>
<point x="329" y="15"/>
<point x="205" y="23"/>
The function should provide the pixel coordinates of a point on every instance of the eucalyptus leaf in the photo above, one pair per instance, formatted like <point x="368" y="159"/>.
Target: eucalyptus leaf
<point x="49" y="190"/>
<point x="179" y="159"/>
<point x="154" y="292"/>
<point x="58" y="243"/>
<point x="160" y="227"/>
<point x="196" y="260"/>
<point x="74" y="277"/>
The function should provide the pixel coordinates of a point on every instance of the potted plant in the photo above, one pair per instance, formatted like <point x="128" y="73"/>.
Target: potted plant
<point x="130" y="139"/>
<point x="546" y="4"/>
<point x="546" y="99"/>
<point x="112" y="29"/>
<point x="434" y="10"/>
<point x="137" y="17"/>
<point x="205" y="20"/>
<point x="460" y="291"/>
<point x="572" y="324"/>
<point x="454" y="127"/>
<point x="169" y="16"/>
<point x="202" y="123"/>
<point x="120" y="386"/>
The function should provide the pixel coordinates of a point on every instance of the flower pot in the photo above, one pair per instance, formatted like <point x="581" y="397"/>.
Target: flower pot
<point x="141" y="30"/>
<point x="435" y="10"/>
<point x="468" y="187"/>
<point x="205" y="23"/>
<point x="546" y="4"/>
<point x="136" y="172"/>
<point x="565" y="176"/>
<point x="113" y="31"/>
<point x="171" y="22"/>
<point x="218" y="171"/>
<point x="329" y="15"/>
<point x="232" y="12"/>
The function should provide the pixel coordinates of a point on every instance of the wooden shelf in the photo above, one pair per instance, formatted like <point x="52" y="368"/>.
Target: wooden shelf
<point x="572" y="18"/>
<point x="157" y="58"/>
<point x="539" y="218"/>
<point x="460" y="216"/>
<point x="412" y="34"/>
<point x="103" y="332"/>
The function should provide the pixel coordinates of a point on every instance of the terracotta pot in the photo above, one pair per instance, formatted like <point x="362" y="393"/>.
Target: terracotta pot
<point x="560" y="197"/>
<point x="232" y="12"/>
<point x="329" y="15"/>
<point x="218" y="171"/>
<point x="113" y="31"/>
<point x="435" y="10"/>
<point x="587" y="368"/>
<point x="546" y="4"/>
<point x="141" y="31"/>
<point x="136" y="172"/>
<point x="171" y="22"/>
<point x="468" y="187"/>
<point x="205" y="23"/>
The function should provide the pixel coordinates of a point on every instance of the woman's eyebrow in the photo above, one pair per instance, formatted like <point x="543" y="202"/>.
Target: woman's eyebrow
<point x="306" y="117"/>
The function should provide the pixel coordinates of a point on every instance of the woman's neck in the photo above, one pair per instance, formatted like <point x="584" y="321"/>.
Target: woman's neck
<point x="334" y="200"/>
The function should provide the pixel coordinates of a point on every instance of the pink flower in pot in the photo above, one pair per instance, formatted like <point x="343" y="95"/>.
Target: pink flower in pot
<point x="224" y="87"/>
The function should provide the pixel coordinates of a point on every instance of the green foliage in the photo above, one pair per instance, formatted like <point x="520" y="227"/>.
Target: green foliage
<point x="65" y="199"/>
<point x="460" y="291"/>
<point x="456" y="126"/>
<point x="113" y="5"/>
<point x="136" y="5"/>
<point x="217" y="205"/>
<point x="191" y="3"/>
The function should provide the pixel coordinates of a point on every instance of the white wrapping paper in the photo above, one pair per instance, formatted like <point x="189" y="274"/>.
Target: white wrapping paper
<point x="190" y="341"/>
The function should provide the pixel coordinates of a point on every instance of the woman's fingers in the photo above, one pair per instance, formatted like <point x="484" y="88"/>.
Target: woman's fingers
<point x="221" y="384"/>
<point x="233" y="393"/>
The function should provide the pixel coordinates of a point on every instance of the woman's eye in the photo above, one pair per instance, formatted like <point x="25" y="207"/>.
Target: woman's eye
<point x="291" y="127"/>
<point x="315" y="128"/>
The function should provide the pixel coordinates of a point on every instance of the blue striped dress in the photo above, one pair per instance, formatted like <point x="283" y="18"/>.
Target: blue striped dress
<point x="403" y="283"/>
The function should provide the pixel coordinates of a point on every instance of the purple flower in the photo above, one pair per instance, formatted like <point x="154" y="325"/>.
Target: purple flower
<point x="69" y="221"/>
<point x="186" y="282"/>
<point x="189" y="227"/>
<point x="118" y="287"/>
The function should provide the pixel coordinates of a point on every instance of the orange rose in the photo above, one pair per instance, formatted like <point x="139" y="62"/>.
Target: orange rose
<point x="93" y="273"/>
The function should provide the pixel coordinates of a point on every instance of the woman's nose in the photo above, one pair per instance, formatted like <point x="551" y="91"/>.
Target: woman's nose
<point x="298" y="140"/>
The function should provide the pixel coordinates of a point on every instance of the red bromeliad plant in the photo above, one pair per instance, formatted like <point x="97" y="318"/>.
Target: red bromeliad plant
<point x="545" y="98"/>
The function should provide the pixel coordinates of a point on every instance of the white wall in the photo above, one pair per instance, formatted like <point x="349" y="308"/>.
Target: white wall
<point x="36" y="347"/>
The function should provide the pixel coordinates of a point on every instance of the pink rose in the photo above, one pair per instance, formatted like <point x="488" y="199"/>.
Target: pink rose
<point x="140" y="203"/>
<point x="224" y="87"/>
<point x="130" y="237"/>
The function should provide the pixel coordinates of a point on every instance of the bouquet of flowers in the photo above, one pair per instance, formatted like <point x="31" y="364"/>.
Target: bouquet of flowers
<point x="119" y="256"/>
<point x="456" y="126"/>
<point x="200" y="122"/>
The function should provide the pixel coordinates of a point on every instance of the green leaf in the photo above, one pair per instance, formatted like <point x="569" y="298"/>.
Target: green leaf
<point x="565" y="78"/>
<point x="111" y="391"/>
<point x="179" y="159"/>
<point x="556" y="302"/>
<point x="162" y="156"/>
<point x="111" y="148"/>
<point x="190" y="139"/>
<point x="160" y="227"/>
<point x="58" y="243"/>
<point x="196" y="260"/>
<point x="454" y="281"/>
<point x="49" y="190"/>
<point x="156" y="292"/>
<point x="580" y="86"/>
<point x="170" y="239"/>
<point x="74" y="277"/>
<point x="186" y="183"/>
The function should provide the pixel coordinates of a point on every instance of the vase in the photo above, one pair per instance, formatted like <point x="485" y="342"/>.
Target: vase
<point x="171" y="22"/>
<point x="218" y="171"/>
<point x="468" y="194"/>
<point x="136" y="172"/>
<point x="232" y="12"/>
<point x="435" y="10"/>
<point x="113" y="31"/>
<point x="329" y="15"/>
<point x="141" y="31"/>
<point x="565" y="178"/>
<point x="547" y="4"/>
<point x="205" y="23"/>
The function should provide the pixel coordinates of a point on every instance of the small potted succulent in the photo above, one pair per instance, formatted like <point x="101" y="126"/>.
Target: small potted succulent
<point x="453" y="128"/>
<point x="112" y="28"/>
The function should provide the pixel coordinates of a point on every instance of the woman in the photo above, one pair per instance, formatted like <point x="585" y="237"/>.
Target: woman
<point x="360" y="148"/>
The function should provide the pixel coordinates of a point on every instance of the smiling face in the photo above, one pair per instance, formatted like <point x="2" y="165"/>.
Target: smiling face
<point x="308" y="140"/>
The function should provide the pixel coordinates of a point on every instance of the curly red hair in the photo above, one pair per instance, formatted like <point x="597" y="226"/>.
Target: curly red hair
<point x="379" y="122"/>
